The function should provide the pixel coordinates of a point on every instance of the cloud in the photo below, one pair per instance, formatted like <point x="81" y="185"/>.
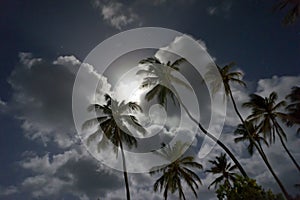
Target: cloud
<point x="3" y="106"/>
<point x="116" y="13"/>
<point x="5" y="191"/>
<point x="41" y="185"/>
<point x="281" y="85"/>
<point x="71" y="172"/>
<point x="222" y="9"/>
<point x="2" y="103"/>
<point x="42" y="97"/>
<point x="212" y="10"/>
<point x="28" y="60"/>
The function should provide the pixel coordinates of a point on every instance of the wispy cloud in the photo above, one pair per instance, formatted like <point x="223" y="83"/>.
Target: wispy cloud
<point x="5" y="191"/>
<point x="116" y="14"/>
<point x="222" y="9"/>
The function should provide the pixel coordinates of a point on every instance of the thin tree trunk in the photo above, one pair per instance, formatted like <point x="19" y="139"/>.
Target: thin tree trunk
<point x="289" y="153"/>
<point x="287" y="196"/>
<point x="223" y="146"/>
<point x="260" y="149"/>
<point x="284" y="146"/>
<point x="125" y="172"/>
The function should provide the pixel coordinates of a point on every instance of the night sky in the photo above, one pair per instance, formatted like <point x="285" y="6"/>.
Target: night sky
<point x="42" y="46"/>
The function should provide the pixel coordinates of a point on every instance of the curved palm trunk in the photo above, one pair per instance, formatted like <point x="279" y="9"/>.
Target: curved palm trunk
<point x="223" y="146"/>
<point x="125" y="172"/>
<point x="289" y="153"/>
<point x="262" y="153"/>
<point x="283" y="144"/>
<point x="260" y="149"/>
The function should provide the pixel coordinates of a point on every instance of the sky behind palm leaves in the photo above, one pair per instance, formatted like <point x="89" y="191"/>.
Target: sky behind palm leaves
<point x="43" y="44"/>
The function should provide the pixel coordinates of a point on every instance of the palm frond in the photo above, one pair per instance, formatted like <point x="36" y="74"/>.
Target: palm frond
<point x="92" y="122"/>
<point x="150" y="60"/>
<point x="216" y="181"/>
<point x="93" y="136"/>
<point x="145" y="72"/>
<point x="178" y="62"/>
<point x="153" y="92"/>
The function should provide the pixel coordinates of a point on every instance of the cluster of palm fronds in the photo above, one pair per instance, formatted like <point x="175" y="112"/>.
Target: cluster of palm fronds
<point x="261" y="127"/>
<point x="293" y="10"/>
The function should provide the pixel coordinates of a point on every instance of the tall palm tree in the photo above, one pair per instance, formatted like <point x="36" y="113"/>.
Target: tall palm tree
<point x="242" y="131"/>
<point x="265" y="111"/>
<point x="292" y="14"/>
<point x="293" y="115"/>
<point x="159" y="76"/>
<point x="111" y="123"/>
<point x="223" y="167"/>
<point x="229" y="77"/>
<point x="177" y="170"/>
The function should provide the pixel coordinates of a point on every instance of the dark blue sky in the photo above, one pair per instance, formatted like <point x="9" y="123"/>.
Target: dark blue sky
<point x="247" y="32"/>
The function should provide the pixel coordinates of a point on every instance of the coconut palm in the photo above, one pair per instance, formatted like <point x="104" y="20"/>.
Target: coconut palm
<point x="159" y="75"/>
<point x="229" y="77"/>
<point x="111" y="122"/>
<point x="265" y="111"/>
<point x="160" y="79"/>
<point x="293" y="115"/>
<point x="176" y="171"/>
<point x="242" y="131"/>
<point x="292" y="14"/>
<point x="224" y="168"/>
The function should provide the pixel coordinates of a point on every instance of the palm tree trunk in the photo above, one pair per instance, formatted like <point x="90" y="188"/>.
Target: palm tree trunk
<point x="223" y="146"/>
<point x="283" y="144"/>
<point x="259" y="148"/>
<point x="125" y="172"/>
<point x="289" y="153"/>
<point x="262" y="153"/>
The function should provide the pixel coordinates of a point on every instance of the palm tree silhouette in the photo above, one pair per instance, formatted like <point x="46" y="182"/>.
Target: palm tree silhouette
<point x="235" y="77"/>
<point x="159" y="76"/>
<point x="228" y="77"/>
<point x="242" y="131"/>
<point x="223" y="167"/>
<point x="292" y="14"/>
<point x="265" y="111"/>
<point x="293" y="115"/>
<point x="176" y="171"/>
<point x="111" y="126"/>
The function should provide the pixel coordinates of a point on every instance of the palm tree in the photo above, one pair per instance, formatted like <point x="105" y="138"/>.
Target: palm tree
<point x="242" y="131"/>
<point x="160" y="78"/>
<point x="111" y="126"/>
<point x="293" y="116"/>
<point x="159" y="75"/>
<point x="292" y="14"/>
<point x="229" y="77"/>
<point x="177" y="170"/>
<point x="265" y="111"/>
<point x="223" y="167"/>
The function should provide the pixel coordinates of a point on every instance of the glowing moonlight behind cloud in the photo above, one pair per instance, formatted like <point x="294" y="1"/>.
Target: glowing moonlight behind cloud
<point x="111" y="68"/>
